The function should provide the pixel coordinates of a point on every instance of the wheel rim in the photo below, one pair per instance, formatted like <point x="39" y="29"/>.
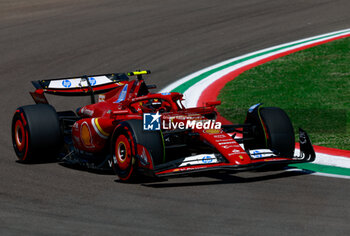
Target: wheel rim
<point x="123" y="153"/>
<point x="20" y="135"/>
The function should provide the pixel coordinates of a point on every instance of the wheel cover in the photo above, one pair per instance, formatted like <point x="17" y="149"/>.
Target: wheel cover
<point x="123" y="156"/>
<point x="20" y="135"/>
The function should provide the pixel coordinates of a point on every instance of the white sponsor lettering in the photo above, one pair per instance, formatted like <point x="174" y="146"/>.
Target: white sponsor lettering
<point x="223" y="140"/>
<point x="219" y="136"/>
<point x="101" y="98"/>
<point x="199" y="159"/>
<point x="224" y="143"/>
<point x="191" y="124"/>
<point x="86" y="111"/>
<point x="78" y="82"/>
<point x="229" y="146"/>
<point x="261" y="153"/>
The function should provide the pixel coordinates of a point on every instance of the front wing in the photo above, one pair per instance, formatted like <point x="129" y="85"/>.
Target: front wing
<point x="216" y="162"/>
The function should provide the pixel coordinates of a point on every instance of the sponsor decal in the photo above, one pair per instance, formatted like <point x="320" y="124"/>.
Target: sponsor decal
<point x="193" y="168"/>
<point x="229" y="146"/>
<point x="196" y="160"/>
<point x="213" y="131"/>
<point x="151" y="121"/>
<point x="223" y="140"/>
<point x="85" y="135"/>
<point x="101" y="98"/>
<point x="256" y="154"/>
<point x="66" y="83"/>
<point x="231" y="154"/>
<point x="207" y="159"/>
<point x="165" y="93"/>
<point x="122" y="94"/>
<point x="86" y="111"/>
<point x="236" y="152"/>
<point x="219" y="136"/>
<point x="261" y="153"/>
<point x="188" y="168"/>
<point x="225" y="143"/>
<point x="92" y="81"/>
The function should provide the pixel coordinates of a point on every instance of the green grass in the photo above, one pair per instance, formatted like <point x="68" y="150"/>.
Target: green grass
<point x="312" y="86"/>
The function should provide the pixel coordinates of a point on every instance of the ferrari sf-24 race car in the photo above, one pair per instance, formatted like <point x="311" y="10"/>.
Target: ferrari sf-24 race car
<point x="136" y="132"/>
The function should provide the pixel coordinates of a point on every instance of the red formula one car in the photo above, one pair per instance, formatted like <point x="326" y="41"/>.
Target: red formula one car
<point x="136" y="132"/>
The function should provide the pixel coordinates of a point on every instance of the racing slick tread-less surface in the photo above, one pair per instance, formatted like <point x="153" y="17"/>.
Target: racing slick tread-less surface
<point x="53" y="39"/>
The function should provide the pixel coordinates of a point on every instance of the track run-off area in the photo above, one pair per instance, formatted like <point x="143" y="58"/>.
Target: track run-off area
<point x="204" y="86"/>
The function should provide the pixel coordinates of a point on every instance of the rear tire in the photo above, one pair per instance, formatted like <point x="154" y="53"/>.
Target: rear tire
<point x="36" y="133"/>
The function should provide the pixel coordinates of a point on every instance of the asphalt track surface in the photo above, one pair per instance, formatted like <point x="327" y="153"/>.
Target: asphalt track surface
<point x="55" y="38"/>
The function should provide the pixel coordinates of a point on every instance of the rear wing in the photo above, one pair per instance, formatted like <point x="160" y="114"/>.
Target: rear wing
<point x="81" y="85"/>
<point x="86" y="85"/>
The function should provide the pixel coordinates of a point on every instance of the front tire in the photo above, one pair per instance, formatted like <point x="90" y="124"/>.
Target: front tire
<point x="272" y="129"/>
<point x="125" y="139"/>
<point x="123" y="162"/>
